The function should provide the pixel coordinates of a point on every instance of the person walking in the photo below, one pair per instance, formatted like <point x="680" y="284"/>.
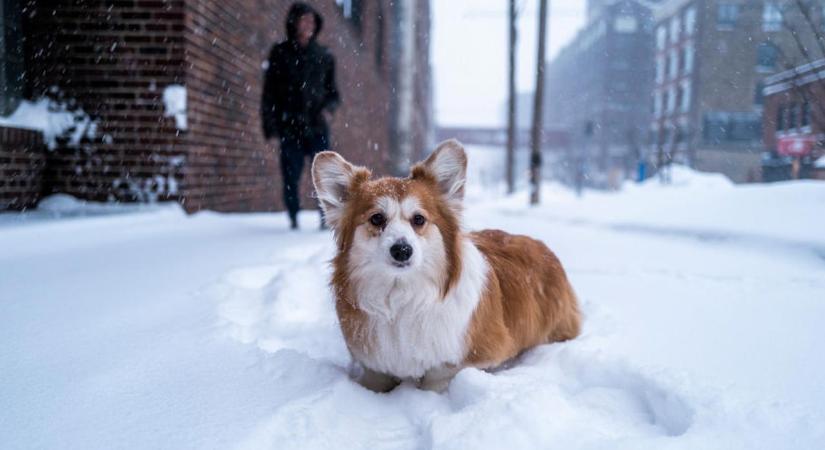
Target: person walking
<point x="299" y="97"/>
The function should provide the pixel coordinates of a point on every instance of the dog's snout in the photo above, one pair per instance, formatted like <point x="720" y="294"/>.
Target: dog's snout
<point x="401" y="251"/>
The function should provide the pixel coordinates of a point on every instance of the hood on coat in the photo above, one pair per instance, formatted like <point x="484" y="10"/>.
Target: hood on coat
<point x="297" y="10"/>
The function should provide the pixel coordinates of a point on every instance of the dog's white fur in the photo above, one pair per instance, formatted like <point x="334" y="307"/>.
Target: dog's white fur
<point x="412" y="330"/>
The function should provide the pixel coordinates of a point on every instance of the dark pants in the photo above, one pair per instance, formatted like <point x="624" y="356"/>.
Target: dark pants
<point x="294" y="151"/>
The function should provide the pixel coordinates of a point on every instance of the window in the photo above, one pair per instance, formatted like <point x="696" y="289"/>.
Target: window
<point x="679" y="99"/>
<point x="771" y="17"/>
<point x="719" y="127"/>
<point x="805" y="116"/>
<point x="660" y="69"/>
<point x="625" y="24"/>
<point x="661" y="37"/>
<point x="690" y="21"/>
<point x="11" y="56"/>
<point x="780" y="118"/>
<point x="351" y="10"/>
<point x="766" y="55"/>
<point x="745" y="127"/>
<point x="665" y="102"/>
<point x="674" y="63"/>
<point x="792" y="116"/>
<point x="688" y="63"/>
<point x="657" y="104"/>
<point x="671" y="100"/>
<point x="685" y="97"/>
<point x="675" y="29"/>
<point x="758" y="96"/>
<point x="727" y="14"/>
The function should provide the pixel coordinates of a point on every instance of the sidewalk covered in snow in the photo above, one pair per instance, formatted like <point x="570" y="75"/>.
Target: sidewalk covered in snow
<point x="153" y="329"/>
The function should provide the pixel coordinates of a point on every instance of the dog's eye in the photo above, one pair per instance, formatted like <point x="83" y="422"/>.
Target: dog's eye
<point x="378" y="219"/>
<point x="419" y="220"/>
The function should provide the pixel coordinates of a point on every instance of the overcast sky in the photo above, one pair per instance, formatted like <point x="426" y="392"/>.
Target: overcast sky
<point x="469" y="51"/>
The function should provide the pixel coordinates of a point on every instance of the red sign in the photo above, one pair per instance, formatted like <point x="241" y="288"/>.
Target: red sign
<point x="795" y="145"/>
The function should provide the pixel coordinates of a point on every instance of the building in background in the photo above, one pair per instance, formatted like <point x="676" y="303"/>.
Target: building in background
<point x="794" y="122"/>
<point x="598" y="88"/>
<point x="712" y="58"/>
<point x="159" y="100"/>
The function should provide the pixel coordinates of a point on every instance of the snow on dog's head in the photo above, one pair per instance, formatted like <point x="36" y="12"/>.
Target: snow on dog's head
<point x="404" y="227"/>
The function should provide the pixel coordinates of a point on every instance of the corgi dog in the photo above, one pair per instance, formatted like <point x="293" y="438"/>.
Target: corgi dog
<point x="419" y="298"/>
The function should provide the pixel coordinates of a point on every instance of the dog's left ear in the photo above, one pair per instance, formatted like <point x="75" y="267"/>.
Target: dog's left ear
<point x="333" y="178"/>
<point x="448" y="165"/>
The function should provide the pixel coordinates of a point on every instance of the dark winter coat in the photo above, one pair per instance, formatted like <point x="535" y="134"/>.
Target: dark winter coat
<point x="299" y="84"/>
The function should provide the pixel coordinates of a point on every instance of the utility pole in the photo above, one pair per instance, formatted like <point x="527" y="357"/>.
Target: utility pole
<point x="538" y="103"/>
<point x="511" y="107"/>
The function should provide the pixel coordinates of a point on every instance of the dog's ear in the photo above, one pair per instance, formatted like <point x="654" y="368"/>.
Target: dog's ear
<point x="448" y="166"/>
<point x="332" y="176"/>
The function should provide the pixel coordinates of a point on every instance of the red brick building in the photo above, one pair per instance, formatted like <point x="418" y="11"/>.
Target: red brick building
<point x="794" y="117"/>
<point x="712" y="61"/>
<point x="115" y="59"/>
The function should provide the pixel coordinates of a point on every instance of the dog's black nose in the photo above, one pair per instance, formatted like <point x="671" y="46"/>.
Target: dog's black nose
<point x="401" y="251"/>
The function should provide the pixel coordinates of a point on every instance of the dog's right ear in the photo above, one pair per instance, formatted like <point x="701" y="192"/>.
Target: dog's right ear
<point x="332" y="176"/>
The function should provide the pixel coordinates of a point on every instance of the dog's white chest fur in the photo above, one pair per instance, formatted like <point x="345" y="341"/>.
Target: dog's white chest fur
<point x="410" y="328"/>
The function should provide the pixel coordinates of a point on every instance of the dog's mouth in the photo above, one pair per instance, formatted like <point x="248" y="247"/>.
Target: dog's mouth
<point x="401" y="265"/>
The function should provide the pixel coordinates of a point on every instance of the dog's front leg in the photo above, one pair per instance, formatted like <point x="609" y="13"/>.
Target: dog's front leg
<point x="437" y="379"/>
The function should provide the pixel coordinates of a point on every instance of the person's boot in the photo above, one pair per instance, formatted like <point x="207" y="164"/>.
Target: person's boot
<point x="293" y="222"/>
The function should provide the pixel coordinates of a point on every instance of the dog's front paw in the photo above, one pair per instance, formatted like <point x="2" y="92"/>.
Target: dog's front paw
<point x="439" y="385"/>
<point x="437" y="380"/>
<point x="377" y="382"/>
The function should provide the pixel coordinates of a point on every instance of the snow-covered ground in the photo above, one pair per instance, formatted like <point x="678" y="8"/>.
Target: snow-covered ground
<point x="704" y="305"/>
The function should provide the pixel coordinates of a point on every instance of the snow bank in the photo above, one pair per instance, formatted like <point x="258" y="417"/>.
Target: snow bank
<point x="694" y="204"/>
<point x="63" y="206"/>
<point x="820" y="163"/>
<point x="680" y="176"/>
<point x="54" y="119"/>
<point x="174" y="103"/>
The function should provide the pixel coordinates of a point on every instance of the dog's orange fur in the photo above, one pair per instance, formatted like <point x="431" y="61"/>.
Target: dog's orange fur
<point x="527" y="299"/>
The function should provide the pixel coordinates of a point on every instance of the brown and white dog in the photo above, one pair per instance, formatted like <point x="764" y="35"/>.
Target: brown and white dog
<point x="418" y="297"/>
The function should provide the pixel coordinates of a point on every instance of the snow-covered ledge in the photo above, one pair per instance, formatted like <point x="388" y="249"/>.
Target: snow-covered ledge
<point x="55" y="120"/>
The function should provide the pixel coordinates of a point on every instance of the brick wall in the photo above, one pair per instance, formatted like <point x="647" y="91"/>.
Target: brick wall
<point x="22" y="158"/>
<point x="115" y="58"/>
